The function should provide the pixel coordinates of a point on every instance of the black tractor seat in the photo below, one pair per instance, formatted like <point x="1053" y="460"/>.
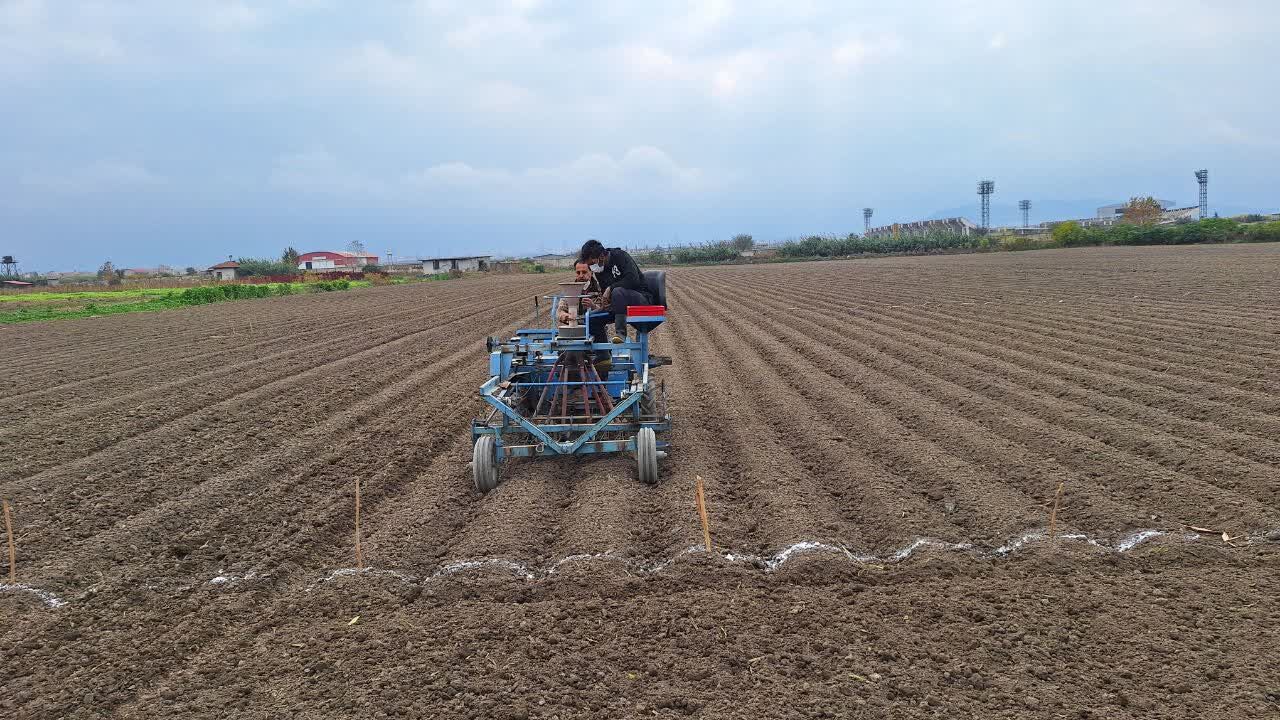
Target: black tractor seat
<point x="657" y="282"/>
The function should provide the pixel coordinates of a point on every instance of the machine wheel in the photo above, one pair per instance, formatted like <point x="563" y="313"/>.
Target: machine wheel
<point x="484" y="464"/>
<point x="648" y="404"/>
<point x="647" y="455"/>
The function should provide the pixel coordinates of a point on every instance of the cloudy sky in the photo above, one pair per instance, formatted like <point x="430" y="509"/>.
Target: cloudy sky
<point x="154" y="131"/>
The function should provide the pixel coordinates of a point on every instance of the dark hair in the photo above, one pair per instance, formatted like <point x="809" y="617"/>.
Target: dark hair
<point x="591" y="249"/>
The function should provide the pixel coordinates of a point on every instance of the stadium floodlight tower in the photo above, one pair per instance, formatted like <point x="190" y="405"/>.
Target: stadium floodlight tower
<point x="866" y="220"/>
<point x="1202" y="176"/>
<point x="1025" y="207"/>
<point x="985" y="189"/>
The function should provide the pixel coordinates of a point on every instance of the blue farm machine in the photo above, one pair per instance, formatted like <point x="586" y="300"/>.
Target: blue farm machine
<point x="553" y="391"/>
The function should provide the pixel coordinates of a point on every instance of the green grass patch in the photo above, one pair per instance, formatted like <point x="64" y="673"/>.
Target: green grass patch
<point x="115" y="295"/>
<point x="66" y="306"/>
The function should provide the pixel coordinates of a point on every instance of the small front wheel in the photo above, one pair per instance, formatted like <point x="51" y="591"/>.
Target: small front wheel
<point x="647" y="456"/>
<point x="484" y="464"/>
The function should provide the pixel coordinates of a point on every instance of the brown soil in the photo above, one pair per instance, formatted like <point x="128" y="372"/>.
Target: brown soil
<point x="182" y="488"/>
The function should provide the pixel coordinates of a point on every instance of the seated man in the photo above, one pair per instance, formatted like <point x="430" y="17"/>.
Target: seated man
<point x="581" y="274"/>
<point x="621" y="284"/>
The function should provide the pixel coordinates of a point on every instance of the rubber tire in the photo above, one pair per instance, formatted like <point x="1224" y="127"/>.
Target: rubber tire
<point x="647" y="456"/>
<point x="648" y="404"/>
<point x="484" y="464"/>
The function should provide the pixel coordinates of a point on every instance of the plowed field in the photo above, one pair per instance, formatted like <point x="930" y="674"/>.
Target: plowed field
<point x="882" y="442"/>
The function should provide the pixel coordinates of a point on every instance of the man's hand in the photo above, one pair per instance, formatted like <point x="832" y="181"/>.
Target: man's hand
<point x="605" y="299"/>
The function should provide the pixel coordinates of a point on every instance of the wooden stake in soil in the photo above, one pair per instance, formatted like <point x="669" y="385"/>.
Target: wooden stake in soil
<point x="1053" y="516"/>
<point x="13" y="554"/>
<point x="359" y="552"/>
<point x="701" y="498"/>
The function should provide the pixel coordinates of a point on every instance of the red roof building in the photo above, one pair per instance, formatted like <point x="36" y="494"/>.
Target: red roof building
<point x="224" y="270"/>
<point x="335" y="260"/>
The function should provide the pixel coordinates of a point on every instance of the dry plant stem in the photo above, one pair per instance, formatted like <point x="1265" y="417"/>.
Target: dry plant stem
<point x="701" y="498"/>
<point x="13" y="553"/>
<point x="1053" y="516"/>
<point x="359" y="552"/>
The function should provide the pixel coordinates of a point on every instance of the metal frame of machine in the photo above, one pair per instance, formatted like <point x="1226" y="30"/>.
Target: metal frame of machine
<point x="546" y="397"/>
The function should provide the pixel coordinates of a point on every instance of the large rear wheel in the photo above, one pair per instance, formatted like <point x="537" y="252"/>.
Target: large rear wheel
<point x="647" y="456"/>
<point x="484" y="464"/>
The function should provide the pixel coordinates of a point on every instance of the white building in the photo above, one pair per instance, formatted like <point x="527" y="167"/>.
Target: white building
<point x="224" y="270"/>
<point x="555" y="261"/>
<point x="431" y="266"/>
<point x="1116" y="210"/>
<point x="956" y="225"/>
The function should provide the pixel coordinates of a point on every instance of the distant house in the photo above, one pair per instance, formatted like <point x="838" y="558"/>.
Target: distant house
<point x="431" y="266"/>
<point x="336" y="260"/>
<point x="224" y="270"/>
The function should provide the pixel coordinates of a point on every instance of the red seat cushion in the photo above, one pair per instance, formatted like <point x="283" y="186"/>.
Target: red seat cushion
<point x="641" y="310"/>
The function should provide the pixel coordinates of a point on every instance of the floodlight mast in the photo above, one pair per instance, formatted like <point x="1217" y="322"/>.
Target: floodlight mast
<point x="985" y="190"/>
<point x="1025" y="207"/>
<point x="866" y="220"/>
<point x="1202" y="177"/>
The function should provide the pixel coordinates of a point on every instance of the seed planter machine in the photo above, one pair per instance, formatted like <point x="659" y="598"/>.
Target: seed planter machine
<point x="550" y="393"/>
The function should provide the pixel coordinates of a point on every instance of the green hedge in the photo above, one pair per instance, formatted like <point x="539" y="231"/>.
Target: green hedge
<point x="853" y="244"/>
<point x="1211" y="230"/>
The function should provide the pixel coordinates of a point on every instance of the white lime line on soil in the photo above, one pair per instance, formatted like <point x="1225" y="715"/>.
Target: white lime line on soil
<point x="767" y="563"/>
<point x="773" y="562"/>
<point x="45" y="596"/>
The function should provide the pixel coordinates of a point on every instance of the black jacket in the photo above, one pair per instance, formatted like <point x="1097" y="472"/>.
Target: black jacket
<point x="621" y="271"/>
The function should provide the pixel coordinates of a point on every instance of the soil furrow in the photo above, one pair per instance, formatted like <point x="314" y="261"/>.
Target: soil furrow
<point x="996" y="390"/>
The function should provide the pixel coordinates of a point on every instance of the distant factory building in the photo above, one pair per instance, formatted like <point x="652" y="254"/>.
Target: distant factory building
<point x="431" y="266"/>
<point x="1116" y="211"/>
<point x="1109" y="215"/>
<point x="1186" y="214"/>
<point x="949" y="226"/>
<point x="336" y="260"/>
<point x="551" y="260"/>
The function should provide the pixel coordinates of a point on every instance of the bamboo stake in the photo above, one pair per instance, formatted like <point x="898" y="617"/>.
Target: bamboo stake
<point x="13" y="554"/>
<point x="1053" y="516"/>
<point x="359" y="552"/>
<point x="700" y="496"/>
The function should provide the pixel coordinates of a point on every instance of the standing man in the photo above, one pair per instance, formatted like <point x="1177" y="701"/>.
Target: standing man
<point x="621" y="284"/>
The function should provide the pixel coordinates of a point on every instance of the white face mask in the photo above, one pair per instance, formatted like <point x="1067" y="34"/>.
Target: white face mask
<point x="596" y="268"/>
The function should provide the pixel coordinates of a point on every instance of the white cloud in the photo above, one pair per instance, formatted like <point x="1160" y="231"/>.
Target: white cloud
<point x="704" y="19"/>
<point x="460" y="175"/>
<point x="231" y="16"/>
<point x="500" y="33"/>
<point x="743" y="72"/>
<point x="103" y="176"/>
<point x="376" y="66"/>
<point x="31" y="36"/>
<point x="646" y="60"/>
<point x="318" y="172"/>
<point x="864" y="51"/>
<point x="997" y="42"/>
<point x="641" y="168"/>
